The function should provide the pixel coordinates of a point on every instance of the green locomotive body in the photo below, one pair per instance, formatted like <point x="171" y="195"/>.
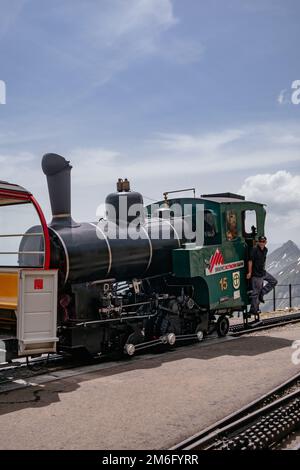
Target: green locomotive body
<point x="217" y="269"/>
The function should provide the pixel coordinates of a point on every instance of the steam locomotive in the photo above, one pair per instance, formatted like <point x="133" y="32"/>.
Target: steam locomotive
<point x="136" y="278"/>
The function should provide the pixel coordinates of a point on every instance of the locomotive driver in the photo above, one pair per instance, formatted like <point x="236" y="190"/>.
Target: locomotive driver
<point x="258" y="275"/>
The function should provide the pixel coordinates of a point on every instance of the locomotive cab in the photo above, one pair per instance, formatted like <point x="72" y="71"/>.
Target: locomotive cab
<point x="28" y="289"/>
<point x="217" y="266"/>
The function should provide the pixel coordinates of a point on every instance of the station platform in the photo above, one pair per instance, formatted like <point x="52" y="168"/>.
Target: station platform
<point x="151" y="402"/>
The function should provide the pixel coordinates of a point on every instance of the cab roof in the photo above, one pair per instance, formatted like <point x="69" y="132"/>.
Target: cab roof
<point x="5" y="186"/>
<point x="224" y="197"/>
<point x="218" y="199"/>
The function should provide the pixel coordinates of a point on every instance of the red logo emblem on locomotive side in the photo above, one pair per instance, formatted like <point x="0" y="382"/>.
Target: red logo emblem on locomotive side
<point x="217" y="265"/>
<point x="215" y="260"/>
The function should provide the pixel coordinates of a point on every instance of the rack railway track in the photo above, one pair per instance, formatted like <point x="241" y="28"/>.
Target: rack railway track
<point x="261" y="424"/>
<point x="240" y="329"/>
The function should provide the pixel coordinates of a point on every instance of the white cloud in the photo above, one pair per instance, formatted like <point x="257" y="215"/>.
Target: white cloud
<point x="137" y="29"/>
<point x="246" y="147"/>
<point x="96" y="155"/>
<point x="200" y="142"/>
<point x="11" y="163"/>
<point x="24" y="168"/>
<point x="111" y="35"/>
<point x="92" y="165"/>
<point x="139" y="15"/>
<point x="172" y="160"/>
<point x="280" y="191"/>
<point x="180" y="156"/>
<point x="251" y="147"/>
<point x="287" y="139"/>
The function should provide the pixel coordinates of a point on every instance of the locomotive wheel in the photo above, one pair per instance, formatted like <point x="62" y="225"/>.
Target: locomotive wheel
<point x="132" y="340"/>
<point x="200" y="332"/>
<point x="222" y="326"/>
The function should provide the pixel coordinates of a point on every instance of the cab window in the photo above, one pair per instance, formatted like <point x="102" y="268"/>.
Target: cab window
<point x="210" y="227"/>
<point x="231" y="225"/>
<point x="249" y="223"/>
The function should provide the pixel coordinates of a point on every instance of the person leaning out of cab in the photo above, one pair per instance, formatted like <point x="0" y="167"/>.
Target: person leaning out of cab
<point x="262" y="282"/>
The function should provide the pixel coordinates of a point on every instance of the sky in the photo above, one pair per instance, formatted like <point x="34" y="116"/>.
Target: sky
<point x="168" y="93"/>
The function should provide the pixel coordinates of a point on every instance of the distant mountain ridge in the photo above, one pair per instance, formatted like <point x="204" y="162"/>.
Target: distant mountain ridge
<point x="282" y="257"/>
<point x="284" y="264"/>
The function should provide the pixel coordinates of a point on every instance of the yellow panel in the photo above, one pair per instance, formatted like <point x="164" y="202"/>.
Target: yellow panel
<point x="9" y="290"/>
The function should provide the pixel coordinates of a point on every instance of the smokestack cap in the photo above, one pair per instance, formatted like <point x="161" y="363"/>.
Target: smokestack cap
<point x="52" y="163"/>
<point x="58" y="172"/>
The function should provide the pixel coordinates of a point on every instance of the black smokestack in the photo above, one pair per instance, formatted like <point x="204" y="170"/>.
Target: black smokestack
<point x="58" y="172"/>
